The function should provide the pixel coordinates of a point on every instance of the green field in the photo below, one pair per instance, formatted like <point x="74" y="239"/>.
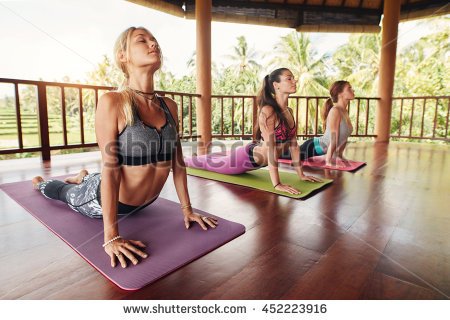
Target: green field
<point x="30" y="132"/>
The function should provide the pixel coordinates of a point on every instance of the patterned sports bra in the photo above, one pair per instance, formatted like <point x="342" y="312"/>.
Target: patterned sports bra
<point x="283" y="133"/>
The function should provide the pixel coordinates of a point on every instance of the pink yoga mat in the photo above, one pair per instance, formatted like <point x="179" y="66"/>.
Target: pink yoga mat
<point x="319" y="162"/>
<point x="160" y="226"/>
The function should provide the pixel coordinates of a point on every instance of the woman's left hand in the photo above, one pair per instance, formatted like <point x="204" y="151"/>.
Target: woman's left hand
<point x="310" y="178"/>
<point x="202" y="220"/>
<point x="343" y="162"/>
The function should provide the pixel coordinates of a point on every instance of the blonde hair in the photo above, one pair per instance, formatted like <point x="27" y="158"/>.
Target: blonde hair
<point x="122" y="47"/>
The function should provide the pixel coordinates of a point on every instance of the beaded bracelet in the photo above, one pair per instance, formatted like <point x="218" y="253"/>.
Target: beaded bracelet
<point x="186" y="206"/>
<point x="112" y="240"/>
<point x="276" y="185"/>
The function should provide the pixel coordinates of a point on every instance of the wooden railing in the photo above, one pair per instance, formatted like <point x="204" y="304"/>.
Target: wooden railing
<point x="422" y="118"/>
<point x="235" y="116"/>
<point x="418" y="118"/>
<point x="82" y="100"/>
<point x="186" y="112"/>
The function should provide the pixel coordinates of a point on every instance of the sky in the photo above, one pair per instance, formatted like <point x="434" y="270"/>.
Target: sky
<point x="49" y="39"/>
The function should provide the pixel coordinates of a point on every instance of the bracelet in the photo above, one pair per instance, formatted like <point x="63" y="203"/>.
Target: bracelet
<point x="276" y="185"/>
<point x="112" y="240"/>
<point x="186" y="206"/>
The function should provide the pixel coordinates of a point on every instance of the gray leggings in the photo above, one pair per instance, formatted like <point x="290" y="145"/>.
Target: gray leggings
<point x="85" y="197"/>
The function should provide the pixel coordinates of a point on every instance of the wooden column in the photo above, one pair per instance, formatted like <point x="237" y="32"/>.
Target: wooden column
<point x="43" y="122"/>
<point x="389" y="31"/>
<point x="203" y="20"/>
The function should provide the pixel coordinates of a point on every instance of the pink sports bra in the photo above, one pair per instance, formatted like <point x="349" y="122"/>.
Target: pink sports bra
<point x="283" y="133"/>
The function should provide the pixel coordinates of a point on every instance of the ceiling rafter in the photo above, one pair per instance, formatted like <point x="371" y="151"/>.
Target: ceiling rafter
<point x="311" y="16"/>
<point x="288" y="7"/>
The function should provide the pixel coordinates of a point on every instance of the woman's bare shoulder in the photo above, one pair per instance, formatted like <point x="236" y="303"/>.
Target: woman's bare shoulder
<point x="111" y="98"/>
<point x="172" y="105"/>
<point x="267" y="110"/>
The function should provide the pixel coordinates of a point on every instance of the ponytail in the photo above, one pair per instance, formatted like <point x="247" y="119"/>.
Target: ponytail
<point x="266" y="97"/>
<point x="325" y="111"/>
<point x="336" y="88"/>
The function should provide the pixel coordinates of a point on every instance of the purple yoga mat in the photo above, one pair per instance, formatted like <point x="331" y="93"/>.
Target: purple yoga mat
<point x="160" y="226"/>
<point x="319" y="162"/>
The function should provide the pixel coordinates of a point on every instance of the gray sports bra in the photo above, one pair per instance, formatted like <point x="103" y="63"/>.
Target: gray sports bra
<point x="345" y="130"/>
<point x="141" y="144"/>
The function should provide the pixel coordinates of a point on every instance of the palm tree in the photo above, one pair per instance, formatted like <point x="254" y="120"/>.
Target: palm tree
<point x="190" y="64"/>
<point x="243" y="58"/>
<point x="105" y="74"/>
<point x="422" y="70"/>
<point x="294" y="51"/>
<point x="358" y="62"/>
<point x="241" y="77"/>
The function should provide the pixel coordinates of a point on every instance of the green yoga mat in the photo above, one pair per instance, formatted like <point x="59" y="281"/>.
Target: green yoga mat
<point x="260" y="179"/>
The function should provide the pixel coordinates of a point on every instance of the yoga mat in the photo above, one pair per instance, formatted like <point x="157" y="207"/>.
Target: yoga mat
<point x="160" y="226"/>
<point x="260" y="179"/>
<point x="319" y="162"/>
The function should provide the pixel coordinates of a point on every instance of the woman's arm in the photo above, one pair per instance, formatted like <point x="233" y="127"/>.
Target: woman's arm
<point x="294" y="150"/>
<point x="267" y="121"/>
<point x="106" y="130"/>
<point x="334" y="122"/>
<point x="340" y="151"/>
<point x="180" y="180"/>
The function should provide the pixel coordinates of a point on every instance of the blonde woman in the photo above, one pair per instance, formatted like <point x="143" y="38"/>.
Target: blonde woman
<point x="137" y="133"/>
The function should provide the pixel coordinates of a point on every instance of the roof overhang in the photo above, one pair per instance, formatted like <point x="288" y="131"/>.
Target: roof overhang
<point x="304" y="15"/>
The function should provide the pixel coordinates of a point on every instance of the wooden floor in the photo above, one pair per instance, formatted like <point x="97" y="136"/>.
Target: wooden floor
<point x="380" y="233"/>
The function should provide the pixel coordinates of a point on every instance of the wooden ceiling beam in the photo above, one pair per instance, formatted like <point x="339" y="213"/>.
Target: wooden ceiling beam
<point x="417" y="6"/>
<point x="281" y="6"/>
<point x="418" y="10"/>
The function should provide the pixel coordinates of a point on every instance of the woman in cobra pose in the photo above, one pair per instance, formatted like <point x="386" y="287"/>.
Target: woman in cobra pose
<point x="137" y="133"/>
<point x="276" y="131"/>
<point x="337" y="126"/>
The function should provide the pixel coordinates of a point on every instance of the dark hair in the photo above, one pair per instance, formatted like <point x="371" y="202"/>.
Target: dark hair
<point x="266" y="97"/>
<point x="336" y="88"/>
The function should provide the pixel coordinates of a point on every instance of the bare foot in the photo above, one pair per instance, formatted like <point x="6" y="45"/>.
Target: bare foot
<point x="78" y="178"/>
<point x="35" y="181"/>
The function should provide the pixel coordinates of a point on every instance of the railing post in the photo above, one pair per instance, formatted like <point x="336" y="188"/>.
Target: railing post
<point x="43" y="121"/>
<point x="255" y="117"/>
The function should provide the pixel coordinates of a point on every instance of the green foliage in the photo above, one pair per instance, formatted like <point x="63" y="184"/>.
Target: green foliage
<point x="422" y="69"/>
<point x="295" y="52"/>
<point x="106" y="74"/>
<point x="358" y="62"/>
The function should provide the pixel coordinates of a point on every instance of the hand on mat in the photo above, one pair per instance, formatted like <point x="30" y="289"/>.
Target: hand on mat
<point x="202" y="220"/>
<point x="287" y="188"/>
<point x="123" y="249"/>
<point x="334" y="165"/>
<point x="310" y="178"/>
<point x="344" y="162"/>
